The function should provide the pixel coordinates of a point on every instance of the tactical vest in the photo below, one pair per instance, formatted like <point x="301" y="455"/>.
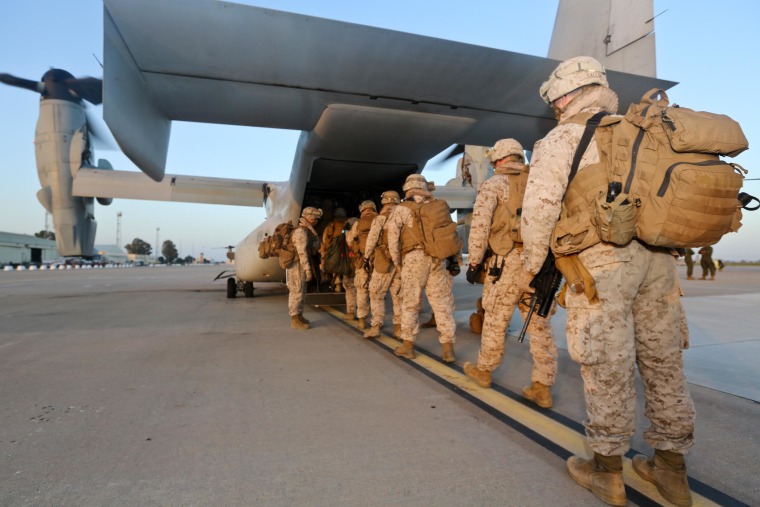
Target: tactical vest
<point x="505" y="225"/>
<point x="363" y="225"/>
<point x="382" y="257"/>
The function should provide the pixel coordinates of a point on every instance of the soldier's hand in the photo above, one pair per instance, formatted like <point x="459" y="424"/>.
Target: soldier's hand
<point x="309" y="275"/>
<point x="472" y="273"/>
<point x="525" y="279"/>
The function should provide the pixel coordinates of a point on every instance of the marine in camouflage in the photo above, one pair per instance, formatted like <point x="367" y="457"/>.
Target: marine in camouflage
<point x="638" y="320"/>
<point x="420" y="271"/>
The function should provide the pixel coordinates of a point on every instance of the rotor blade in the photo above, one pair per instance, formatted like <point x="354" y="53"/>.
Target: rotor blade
<point x="89" y="88"/>
<point x="27" y="84"/>
<point x="99" y="133"/>
<point x="455" y="151"/>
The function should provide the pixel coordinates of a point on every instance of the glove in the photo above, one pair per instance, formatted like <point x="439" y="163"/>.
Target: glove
<point x="454" y="268"/>
<point x="472" y="273"/>
<point x="309" y="275"/>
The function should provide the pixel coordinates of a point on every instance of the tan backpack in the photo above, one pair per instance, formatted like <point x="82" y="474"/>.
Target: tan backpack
<point x="433" y="229"/>
<point x="660" y="179"/>
<point x="505" y="226"/>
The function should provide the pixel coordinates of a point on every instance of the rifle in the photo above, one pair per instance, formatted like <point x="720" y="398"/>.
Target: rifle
<point x="545" y="284"/>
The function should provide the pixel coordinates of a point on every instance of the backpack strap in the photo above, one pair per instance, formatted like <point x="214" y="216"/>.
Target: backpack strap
<point x="588" y="133"/>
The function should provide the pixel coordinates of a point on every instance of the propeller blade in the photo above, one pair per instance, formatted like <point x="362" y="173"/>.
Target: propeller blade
<point x="27" y="84"/>
<point x="89" y="88"/>
<point x="455" y="151"/>
<point x="99" y="133"/>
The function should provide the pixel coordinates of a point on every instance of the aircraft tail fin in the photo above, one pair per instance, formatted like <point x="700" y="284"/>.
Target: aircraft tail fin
<point x="618" y="33"/>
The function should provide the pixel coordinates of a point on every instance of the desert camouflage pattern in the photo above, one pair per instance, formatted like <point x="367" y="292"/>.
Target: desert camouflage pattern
<point x="499" y="302"/>
<point x="361" y="278"/>
<point x="639" y="319"/>
<point x="295" y="275"/>
<point x="502" y="297"/>
<point x="553" y="155"/>
<point x="420" y="271"/>
<point x="381" y="283"/>
<point x="491" y="191"/>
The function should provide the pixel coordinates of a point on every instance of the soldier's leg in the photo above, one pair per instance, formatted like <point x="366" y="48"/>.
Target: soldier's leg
<point x="661" y="334"/>
<point x="378" y="287"/>
<point x="600" y="337"/>
<point x="441" y="299"/>
<point x="542" y="346"/>
<point x="348" y="285"/>
<point x="361" y="280"/>
<point x="499" y="302"/>
<point x="395" y="291"/>
<point x="414" y="274"/>
<point x="296" y="281"/>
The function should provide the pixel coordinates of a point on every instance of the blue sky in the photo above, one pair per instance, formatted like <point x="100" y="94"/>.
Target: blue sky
<point x="707" y="46"/>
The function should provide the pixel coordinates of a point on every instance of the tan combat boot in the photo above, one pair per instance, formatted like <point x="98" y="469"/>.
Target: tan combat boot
<point x="667" y="470"/>
<point x="539" y="394"/>
<point x="406" y="350"/>
<point x="481" y="377"/>
<point x="397" y="330"/>
<point x="372" y="332"/>
<point x="297" y="323"/>
<point x="603" y="475"/>
<point x="362" y="322"/>
<point x="349" y="316"/>
<point x="430" y="323"/>
<point x="448" y="352"/>
<point x="303" y="319"/>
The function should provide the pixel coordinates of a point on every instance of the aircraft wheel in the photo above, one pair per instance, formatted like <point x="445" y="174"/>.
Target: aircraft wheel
<point x="248" y="289"/>
<point x="231" y="288"/>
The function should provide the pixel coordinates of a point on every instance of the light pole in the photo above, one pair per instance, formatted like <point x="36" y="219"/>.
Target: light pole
<point x="157" y="247"/>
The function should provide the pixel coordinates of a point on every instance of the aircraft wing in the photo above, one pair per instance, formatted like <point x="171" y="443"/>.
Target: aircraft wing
<point x="368" y="97"/>
<point x="92" y="182"/>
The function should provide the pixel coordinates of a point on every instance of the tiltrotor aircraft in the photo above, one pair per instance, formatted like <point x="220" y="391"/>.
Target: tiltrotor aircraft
<point x="373" y="105"/>
<point x="63" y="145"/>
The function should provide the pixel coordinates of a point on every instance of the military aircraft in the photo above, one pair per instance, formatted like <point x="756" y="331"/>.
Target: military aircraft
<point x="63" y="145"/>
<point x="373" y="105"/>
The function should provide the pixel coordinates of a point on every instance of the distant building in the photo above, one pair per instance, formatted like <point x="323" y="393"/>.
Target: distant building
<point x="25" y="249"/>
<point x="112" y="253"/>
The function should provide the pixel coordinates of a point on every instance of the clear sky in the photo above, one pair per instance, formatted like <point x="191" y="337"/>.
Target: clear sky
<point x="709" y="47"/>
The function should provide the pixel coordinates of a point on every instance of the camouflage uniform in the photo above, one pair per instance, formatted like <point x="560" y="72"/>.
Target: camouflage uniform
<point x="380" y="283"/>
<point x="706" y="261"/>
<point x="500" y="297"/>
<point x="303" y="238"/>
<point x="361" y="279"/>
<point x="639" y="319"/>
<point x="420" y="271"/>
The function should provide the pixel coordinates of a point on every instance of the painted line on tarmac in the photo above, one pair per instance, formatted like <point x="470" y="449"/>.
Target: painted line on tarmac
<point x="556" y="433"/>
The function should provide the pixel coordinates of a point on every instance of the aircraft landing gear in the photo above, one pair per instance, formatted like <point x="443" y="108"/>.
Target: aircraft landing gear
<point x="248" y="289"/>
<point x="231" y="288"/>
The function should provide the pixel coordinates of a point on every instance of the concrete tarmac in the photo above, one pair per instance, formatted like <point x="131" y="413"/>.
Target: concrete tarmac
<point x="146" y="386"/>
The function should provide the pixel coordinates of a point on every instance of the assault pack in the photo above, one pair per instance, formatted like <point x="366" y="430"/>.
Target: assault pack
<point x="505" y="227"/>
<point x="337" y="256"/>
<point x="279" y="245"/>
<point x="359" y="246"/>
<point x="660" y="179"/>
<point x="434" y="229"/>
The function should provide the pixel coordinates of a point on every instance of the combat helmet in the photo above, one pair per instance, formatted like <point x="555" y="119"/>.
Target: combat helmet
<point x="571" y="75"/>
<point x="367" y="204"/>
<point x="504" y="148"/>
<point x="390" y="196"/>
<point x="311" y="213"/>
<point x="415" y="181"/>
